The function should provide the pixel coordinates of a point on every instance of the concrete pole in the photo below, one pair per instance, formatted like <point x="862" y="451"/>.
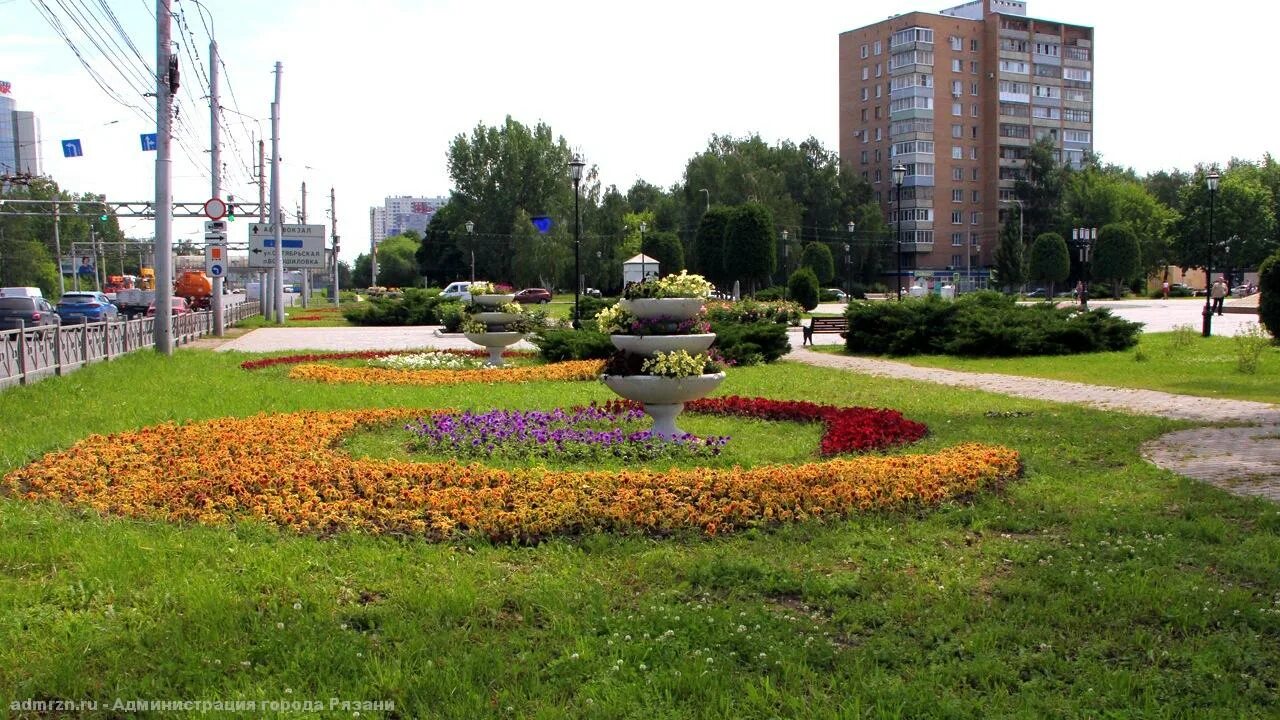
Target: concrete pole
<point x="57" y="246"/>
<point x="215" y="158"/>
<point x="333" y="219"/>
<point x="264" y="297"/>
<point x="306" y="272"/>
<point x="163" y="335"/>
<point x="277" y="212"/>
<point x="373" y="251"/>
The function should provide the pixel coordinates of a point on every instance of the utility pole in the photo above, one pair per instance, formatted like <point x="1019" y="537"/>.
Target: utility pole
<point x="57" y="245"/>
<point x="263" y="286"/>
<point x="306" y="272"/>
<point x="277" y="213"/>
<point x="215" y="159"/>
<point x="333" y="219"/>
<point x="166" y="83"/>
<point x="373" y="251"/>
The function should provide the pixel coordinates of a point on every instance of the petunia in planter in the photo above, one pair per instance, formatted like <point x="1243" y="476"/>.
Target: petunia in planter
<point x="675" y="296"/>
<point x="663" y="383"/>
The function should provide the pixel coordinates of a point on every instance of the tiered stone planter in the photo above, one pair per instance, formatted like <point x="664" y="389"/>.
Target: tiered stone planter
<point x="496" y="337"/>
<point x="663" y="398"/>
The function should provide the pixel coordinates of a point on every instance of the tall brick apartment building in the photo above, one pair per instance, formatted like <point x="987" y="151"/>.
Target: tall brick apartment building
<point x="957" y="97"/>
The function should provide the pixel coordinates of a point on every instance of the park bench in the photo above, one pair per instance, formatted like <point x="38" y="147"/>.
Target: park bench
<point x="824" y="325"/>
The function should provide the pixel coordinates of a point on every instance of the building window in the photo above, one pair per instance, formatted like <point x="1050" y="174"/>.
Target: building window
<point x="1046" y="91"/>
<point x="879" y="68"/>
<point x="973" y="239"/>
<point x="957" y="88"/>
<point x="864" y="94"/>
<point x="1013" y="45"/>
<point x="957" y="152"/>
<point x="957" y="109"/>
<point x="878" y="89"/>
<point x="957" y="173"/>
<point x="864" y="110"/>
<point x="864" y="51"/>
<point x="975" y="196"/>
<point x="1080" y="116"/>
<point x="864" y="157"/>
<point x="877" y="154"/>
<point x="1012" y="66"/>
<point x="1048" y="49"/>
<point x="1081" y="74"/>
<point x="866" y="73"/>
<point x="957" y="66"/>
<point x="957" y="196"/>
<point x="910" y="103"/>
<point x="973" y="67"/>
<point x="957" y="217"/>
<point x="975" y="174"/>
<point x="957" y="131"/>
<point x="876" y="51"/>
<point x="973" y="88"/>
<point x="957" y="43"/>
<point x="877" y="113"/>
<point x="973" y="152"/>
<point x="973" y="45"/>
<point x="1078" y="95"/>
<point x="1015" y="131"/>
<point x="1077" y="136"/>
<point x="973" y="132"/>
<point x="909" y="147"/>
<point x="877" y="134"/>
<point x="911" y="34"/>
<point x="957" y="239"/>
<point x="877" y="174"/>
<point x="973" y="109"/>
<point x="1077" y="53"/>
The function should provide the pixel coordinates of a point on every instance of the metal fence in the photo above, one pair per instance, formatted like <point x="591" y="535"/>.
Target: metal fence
<point x="29" y="355"/>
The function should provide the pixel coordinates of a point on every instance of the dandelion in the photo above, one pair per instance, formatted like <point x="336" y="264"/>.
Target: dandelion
<point x="574" y="656"/>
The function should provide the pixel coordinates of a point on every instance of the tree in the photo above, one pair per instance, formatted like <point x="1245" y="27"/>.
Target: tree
<point x="803" y="287"/>
<point x="709" y="245"/>
<point x="1117" y="257"/>
<point x="817" y="257"/>
<point x="1166" y="187"/>
<point x="344" y="274"/>
<point x="665" y="247"/>
<point x="397" y="266"/>
<point x="1097" y="197"/>
<point x="1050" y="263"/>
<point x="361" y="272"/>
<point x="749" y="251"/>
<point x="445" y="252"/>
<point x="1242" y="220"/>
<point x="1010" y="270"/>
<point x="1269" y="300"/>
<point x="542" y="260"/>
<point x="1042" y="189"/>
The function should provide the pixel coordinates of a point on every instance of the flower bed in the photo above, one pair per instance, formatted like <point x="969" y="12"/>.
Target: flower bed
<point x="570" y="370"/>
<point x="590" y="433"/>
<point x="284" y="469"/>
<point x="366" y="355"/>
<point x="429" y="361"/>
<point x="848" y="429"/>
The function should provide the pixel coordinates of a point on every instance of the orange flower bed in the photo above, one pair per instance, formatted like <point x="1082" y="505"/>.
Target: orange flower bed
<point x="284" y="469"/>
<point x="570" y="370"/>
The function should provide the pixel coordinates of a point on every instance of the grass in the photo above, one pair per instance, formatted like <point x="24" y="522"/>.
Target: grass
<point x="1098" y="586"/>
<point x="319" y="314"/>
<point x="1205" y="367"/>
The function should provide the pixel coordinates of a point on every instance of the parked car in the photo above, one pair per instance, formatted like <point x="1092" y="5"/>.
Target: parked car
<point x="840" y="295"/>
<point x="22" y="311"/>
<point x="533" y="295"/>
<point x="21" y="292"/>
<point x="460" y="291"/>
<point x="180" y="307"/>
<point x="86" y="307"/>
<point x="593" y="292"/>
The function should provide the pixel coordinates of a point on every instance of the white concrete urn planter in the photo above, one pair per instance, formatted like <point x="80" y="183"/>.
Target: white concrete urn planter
<point x="649" y="345"/>
<point x="496" y="318"/>
<point x="673" y="308"/>
<point x="495" y="342"/>
<point x="493" y="300"/>
<point x="663" y="398"/>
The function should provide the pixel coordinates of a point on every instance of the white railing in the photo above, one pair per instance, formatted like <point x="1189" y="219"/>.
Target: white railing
<point x="29" y="355"/>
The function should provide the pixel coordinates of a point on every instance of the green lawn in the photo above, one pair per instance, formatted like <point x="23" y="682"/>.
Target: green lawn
<point x="1205" y="367"/>
<point x="1098" y="586"/>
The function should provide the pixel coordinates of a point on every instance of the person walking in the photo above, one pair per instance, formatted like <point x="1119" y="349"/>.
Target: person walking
<point x="1218" y="293"/>
<point x="1164" y="289"/>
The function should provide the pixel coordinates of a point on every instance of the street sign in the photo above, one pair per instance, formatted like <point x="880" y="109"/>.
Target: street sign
<point x="302" y="246"/>
<point x="148" y="141"/>
<point x="215" y="209"/>
<point x="215" y="231"/>
<point x="215" y="260"/>
<point x="72" y="148"/>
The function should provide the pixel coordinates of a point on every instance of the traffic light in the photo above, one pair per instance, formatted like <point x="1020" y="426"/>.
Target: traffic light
<point x="231" y="208"/>
<point x="103" y="216"/>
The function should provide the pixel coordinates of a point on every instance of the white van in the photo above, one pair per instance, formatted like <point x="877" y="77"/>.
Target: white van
<point x="457" y="291"/>
<point x="21" y="292"/>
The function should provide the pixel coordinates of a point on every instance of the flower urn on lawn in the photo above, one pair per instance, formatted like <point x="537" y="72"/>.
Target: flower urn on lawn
<point x="663" y="360"/>
<point x="491" y="325"/>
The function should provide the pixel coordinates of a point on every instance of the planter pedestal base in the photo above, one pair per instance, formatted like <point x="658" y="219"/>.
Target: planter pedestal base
<point x="664" y="419"/>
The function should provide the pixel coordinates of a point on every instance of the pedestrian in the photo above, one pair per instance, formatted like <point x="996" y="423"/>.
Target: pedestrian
<point x="1218" y="293"/>
<point x="1164" y="289"/>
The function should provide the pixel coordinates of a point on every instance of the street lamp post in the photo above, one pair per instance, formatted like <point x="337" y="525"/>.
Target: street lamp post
<point x="899" y="173"/>
<point x="1211" y="180"/>
<point x="471" y="242"/>
<point x="1082" y="238"/>
<point x="848" y="262"/>
<point x="643" y="226"/>
<point x="786" y="261"/>
<point x="575" y="171"/>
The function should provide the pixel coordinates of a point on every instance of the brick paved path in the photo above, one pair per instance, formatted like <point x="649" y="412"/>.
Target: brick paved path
<point x="1244" y="460"/>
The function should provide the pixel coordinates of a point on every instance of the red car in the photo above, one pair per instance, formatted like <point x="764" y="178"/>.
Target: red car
<point x="180" y="307"/>
<point x="533" y="295"/>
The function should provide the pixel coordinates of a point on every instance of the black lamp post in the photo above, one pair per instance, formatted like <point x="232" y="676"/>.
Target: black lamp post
<point x="471" y="241"/>
<point x="899" y="174"/>
<point x="848" y="261"/>
<point x="1082" y="238"/>
<point x="786" y="261"/>
<point x="575" y="171"/>
<point x="643" y="226"/>
<point x="1212" y="181"/>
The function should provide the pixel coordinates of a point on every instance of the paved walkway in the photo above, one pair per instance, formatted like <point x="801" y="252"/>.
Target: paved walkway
<point x="1241" y="460"/>
<point x="340" y="339"/>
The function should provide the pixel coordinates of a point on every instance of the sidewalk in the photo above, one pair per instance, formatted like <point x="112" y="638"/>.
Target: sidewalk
<point x="1243" y="461"/>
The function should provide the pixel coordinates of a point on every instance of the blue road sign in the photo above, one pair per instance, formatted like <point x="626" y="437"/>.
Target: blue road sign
<point x="148" y="141"/>
<point x="215" y="270"/>
<point x="542" y="223"/>
<point x="71" y="148"/>
<point x="283" y="243"/>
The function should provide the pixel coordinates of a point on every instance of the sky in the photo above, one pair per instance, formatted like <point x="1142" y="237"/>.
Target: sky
<point x="374" y="91"/>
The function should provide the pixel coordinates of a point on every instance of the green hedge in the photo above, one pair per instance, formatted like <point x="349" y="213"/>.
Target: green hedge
<point x="1269" y="301"/>
<point x="751" y="343"/>
<point x="559" y="344"/>
<point x="415" y="307"/>
<point x="983" y="324"/>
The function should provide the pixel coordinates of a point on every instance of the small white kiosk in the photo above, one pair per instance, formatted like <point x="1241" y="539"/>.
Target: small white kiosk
<point x="639" y="267"/>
